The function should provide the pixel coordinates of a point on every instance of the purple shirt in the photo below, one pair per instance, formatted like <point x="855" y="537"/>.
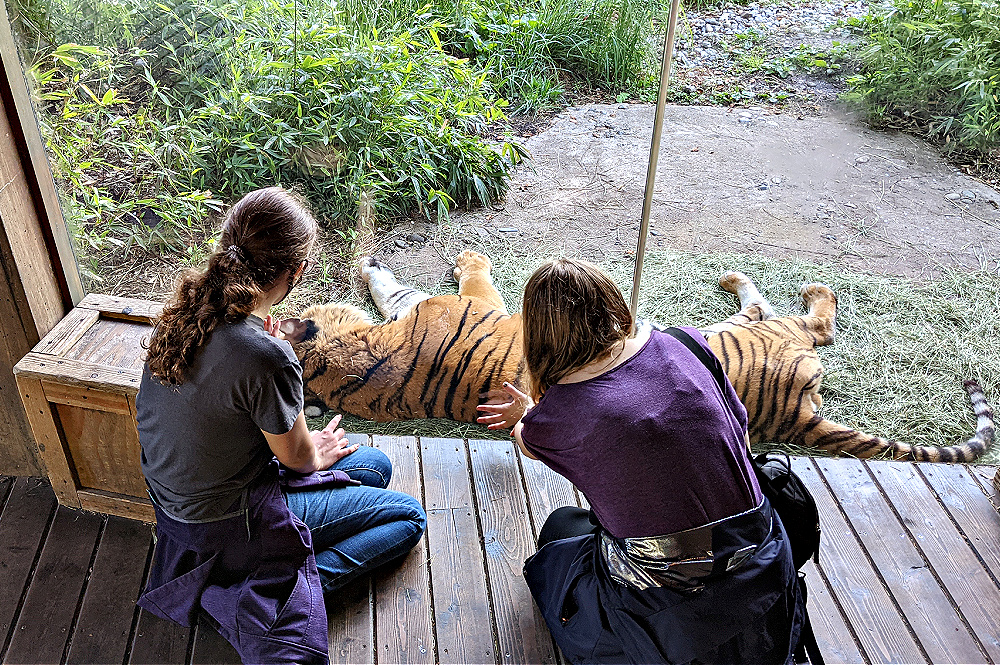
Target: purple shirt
<point x="653" y="443"/>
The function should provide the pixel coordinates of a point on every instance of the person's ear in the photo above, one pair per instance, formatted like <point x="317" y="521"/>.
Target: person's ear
<point x="297" y="330"/>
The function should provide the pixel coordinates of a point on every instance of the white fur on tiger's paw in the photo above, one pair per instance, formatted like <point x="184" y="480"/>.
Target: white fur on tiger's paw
<point x="731" y="281"/>
<point x="369" y="266"/>
<point x="469" y="261"/>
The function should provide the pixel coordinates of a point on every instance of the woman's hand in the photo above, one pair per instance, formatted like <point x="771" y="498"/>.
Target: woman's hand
<point x="506" y="414"/>
<point x="331" y="444"/>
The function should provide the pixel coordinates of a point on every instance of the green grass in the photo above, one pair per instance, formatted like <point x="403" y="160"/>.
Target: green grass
<point x="154" y="113"/>
<point x="934" y="66"/>
<point x="902" y="351"/>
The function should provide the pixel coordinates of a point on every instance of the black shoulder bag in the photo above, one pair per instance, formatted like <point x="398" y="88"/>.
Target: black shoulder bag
<point x="786" y="492"/>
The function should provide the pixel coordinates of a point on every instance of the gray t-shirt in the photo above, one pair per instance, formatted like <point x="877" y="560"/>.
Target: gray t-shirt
<point x="202" y="444"/>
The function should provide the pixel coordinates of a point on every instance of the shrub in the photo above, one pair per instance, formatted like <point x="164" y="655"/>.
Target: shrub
<point x="935" y="64"/>
<point x="225" y="101"/>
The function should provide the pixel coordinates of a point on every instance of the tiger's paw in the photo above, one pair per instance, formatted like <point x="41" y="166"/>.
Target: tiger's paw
<point x="369" y="266"/>
<point x="470" y="261"/>
<point x="816" y="292"/>
<point x="731" y="281"/>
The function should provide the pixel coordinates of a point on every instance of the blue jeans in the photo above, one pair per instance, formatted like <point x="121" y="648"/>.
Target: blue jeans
<point x="356" y="529"/>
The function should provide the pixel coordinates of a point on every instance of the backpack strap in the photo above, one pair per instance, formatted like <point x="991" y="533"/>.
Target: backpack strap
<point x="709" y="361"/>
<point x="807" y="646"/>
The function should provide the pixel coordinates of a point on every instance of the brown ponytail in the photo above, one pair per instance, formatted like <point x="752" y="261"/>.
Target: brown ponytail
<point x="266" y="233"/>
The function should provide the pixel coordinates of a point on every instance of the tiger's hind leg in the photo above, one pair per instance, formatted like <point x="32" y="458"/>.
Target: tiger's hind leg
<point x="821" y="321"/>
<point x="472" y="272"/>
<point x="393" y="299"/>
<point x="753" y="305"/>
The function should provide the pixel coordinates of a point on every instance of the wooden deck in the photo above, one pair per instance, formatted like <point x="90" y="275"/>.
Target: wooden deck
<point x="908" y="572"/>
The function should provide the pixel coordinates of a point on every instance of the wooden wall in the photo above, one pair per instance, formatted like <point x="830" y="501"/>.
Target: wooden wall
<point x="39" y="281"/>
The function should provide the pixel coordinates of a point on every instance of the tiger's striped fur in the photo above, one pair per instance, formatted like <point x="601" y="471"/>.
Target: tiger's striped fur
<point x="441" y="356"/>
<point x="773" y="365"/>
<point x="432" y="358"/>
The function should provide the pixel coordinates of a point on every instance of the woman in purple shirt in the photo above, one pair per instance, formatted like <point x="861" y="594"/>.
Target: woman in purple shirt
<point x="681" y="559"/>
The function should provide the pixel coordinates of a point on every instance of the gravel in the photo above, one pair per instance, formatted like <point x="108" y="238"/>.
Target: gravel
<point x="784" y="24"/>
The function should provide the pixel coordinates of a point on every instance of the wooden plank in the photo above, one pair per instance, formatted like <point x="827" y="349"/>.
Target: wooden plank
<point x="159" y="642"/>
<point x="833" y="636"/>
<point x="67" y="332"/>
<point x="402" y="593"/>
<point x="927" y="608"/>
<point x="349" y="615"/>
<point x="80" y="373"/>
<point x="104" y="449"/>
<point x="26" y="139"/>
<point x="458" y="575"/>
<point x="49" y="442"/>
<point x="522" y="635"/>
<point x="18" y="455"/>
<point x="950" y="557"/>
<point x="87" y="398"/>
<point x="23" y="522"/>
<point x="989" y="477"/>
<point x="105" y="621"/>
<point x="882" y="631"/>
<point x="971" y="510"/>
<point x="113" y="343"/>
<point x="129" y="507"/>
<point x="5" y="486"/>
<point x="46" y="618"/>
<point x="25" y="232"/>
<point x="547" y="490"/>
<point x="210" y="648"/>
<point x="446" y="474"/>
<point x="129" y="309"/>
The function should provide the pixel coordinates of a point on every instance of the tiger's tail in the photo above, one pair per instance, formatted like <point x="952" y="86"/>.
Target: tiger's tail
<point x="827" y="435"/>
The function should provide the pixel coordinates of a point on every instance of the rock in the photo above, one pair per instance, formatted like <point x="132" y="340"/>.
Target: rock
<point x="400" y="243"/>
<point x="862" y="159"/>
<point x="953" y="196"/>
<point x="416" y="237"/>
<point x="312" y="411"/>
<point x="776" y="180"/>
<point x="507" y="229"/>
<point x="968" y="194"/>
<point x="763" y="187"/>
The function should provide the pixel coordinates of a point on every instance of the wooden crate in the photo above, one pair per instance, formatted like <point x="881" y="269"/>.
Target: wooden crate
<point x="78" y="386"/>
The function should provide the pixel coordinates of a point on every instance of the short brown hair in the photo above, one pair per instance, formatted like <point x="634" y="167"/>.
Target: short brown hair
<point x="267" y="232"/>
<point x="573" y="315"/>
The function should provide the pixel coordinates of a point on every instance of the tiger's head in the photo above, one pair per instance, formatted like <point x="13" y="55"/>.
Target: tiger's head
<point x="329" y="337"/>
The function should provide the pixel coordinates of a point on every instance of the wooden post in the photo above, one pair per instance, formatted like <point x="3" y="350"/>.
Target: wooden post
<point x="39" y="280"/>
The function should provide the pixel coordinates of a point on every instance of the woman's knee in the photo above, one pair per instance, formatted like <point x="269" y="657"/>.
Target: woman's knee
<point x="369" y="466"/>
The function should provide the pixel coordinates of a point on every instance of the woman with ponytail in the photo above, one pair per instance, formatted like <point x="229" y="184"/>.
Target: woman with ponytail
<point x="246" y="544"/>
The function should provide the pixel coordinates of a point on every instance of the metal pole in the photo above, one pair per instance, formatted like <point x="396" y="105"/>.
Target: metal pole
<point x="654" y="151"/>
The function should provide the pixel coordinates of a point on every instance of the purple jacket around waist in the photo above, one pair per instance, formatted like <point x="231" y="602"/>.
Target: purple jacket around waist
<point x="254" y="574"/>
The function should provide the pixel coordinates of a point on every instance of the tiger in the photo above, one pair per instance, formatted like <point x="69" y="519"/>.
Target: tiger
<point x="441" y="356"/>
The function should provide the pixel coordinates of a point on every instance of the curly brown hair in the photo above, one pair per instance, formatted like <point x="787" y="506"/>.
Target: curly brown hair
<point x="265" y="235"/>
<point x="573" y="314"/>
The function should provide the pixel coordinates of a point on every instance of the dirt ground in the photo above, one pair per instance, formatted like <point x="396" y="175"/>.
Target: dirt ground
<point x="826" y="189"/>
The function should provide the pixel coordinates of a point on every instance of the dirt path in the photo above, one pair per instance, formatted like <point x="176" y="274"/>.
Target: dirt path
<point x="826" y="189"/>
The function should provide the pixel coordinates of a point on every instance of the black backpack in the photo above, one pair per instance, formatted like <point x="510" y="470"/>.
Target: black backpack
<point x="786" y="493"/>
<point x="794" y="504"/>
